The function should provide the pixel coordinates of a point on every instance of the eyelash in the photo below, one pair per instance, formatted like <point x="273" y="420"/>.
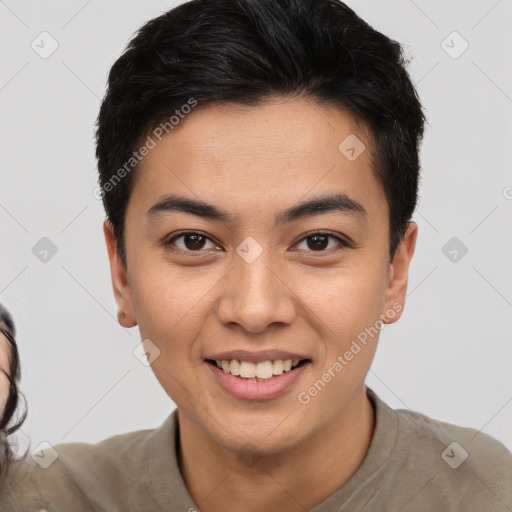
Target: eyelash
<point x="170" y="242"/>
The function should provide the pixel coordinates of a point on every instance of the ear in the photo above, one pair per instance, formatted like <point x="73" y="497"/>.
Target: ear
<point x="120" y="284"/>
<point x="399" y="274"/>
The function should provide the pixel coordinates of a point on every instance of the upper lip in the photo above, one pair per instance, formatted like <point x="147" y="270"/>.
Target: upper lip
<point x="257" y="357"/>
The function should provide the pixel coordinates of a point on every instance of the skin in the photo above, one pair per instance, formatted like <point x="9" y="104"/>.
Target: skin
<point x="4" y="367"/>
<point x="275" y="454"/>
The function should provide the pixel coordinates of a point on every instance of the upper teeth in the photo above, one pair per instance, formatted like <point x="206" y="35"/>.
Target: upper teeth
<point x="264" y="370"/>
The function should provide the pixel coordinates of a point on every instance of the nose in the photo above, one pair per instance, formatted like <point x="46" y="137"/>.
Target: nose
<point x="255" y="295"/>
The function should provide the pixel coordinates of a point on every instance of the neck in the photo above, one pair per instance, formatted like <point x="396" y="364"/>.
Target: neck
<point x="296" y="480"/>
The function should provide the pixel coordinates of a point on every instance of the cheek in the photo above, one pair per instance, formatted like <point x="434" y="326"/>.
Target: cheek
<point x="170" y="307"/>
<point x="344" y="304"/>
<point x="168" y="310"/>
<point x="160" y="295"/>
<point x="163" y="309"/>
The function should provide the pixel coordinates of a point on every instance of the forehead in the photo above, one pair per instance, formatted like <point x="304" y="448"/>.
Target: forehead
<point x="284" y="146"/>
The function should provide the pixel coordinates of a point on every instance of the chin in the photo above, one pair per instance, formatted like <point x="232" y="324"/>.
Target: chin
<point x="258" y="439"/>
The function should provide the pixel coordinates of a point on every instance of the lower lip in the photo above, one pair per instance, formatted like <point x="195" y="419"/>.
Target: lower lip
<point x="254" y="390"/>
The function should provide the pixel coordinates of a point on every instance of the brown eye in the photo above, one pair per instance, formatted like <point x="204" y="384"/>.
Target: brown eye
<point x="191" y="242"/>
<point x="194" y="242"/>
<point x="319" y="242"/>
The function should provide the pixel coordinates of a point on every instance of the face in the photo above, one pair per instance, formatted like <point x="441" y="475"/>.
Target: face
<point x="5" y="351"/>
<point x="258" y="276"/>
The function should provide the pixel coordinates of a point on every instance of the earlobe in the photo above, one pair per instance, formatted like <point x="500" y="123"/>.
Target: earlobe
<point x="124" y="320"/>
<point x="399" y="274"/>
<point x="120" y="284"/>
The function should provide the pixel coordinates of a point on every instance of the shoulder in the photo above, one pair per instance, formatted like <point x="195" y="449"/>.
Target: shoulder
<point x="79" y="476"/>
<point x="478" y="445"/>
<point x="465" y="462"/>
<point x="110" y="457"/>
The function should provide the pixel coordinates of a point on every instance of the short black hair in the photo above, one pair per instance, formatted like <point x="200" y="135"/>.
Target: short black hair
<point x="210" y="52"/>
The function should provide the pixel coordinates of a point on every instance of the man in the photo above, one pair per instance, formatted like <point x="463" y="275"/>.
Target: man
<point x="259" y="168"/>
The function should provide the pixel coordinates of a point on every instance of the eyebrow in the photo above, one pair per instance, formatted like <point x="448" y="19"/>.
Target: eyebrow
<point x="338" y="203"/>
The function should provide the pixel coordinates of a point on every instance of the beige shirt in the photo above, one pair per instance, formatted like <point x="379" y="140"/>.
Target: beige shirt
<point x="414" y="464"/>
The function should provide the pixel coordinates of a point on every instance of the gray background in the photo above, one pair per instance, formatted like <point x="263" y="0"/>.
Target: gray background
<point x="449" y="356"/>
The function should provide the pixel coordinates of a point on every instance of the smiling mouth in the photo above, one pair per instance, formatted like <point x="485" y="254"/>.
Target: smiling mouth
<point x="258" y="372"/>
